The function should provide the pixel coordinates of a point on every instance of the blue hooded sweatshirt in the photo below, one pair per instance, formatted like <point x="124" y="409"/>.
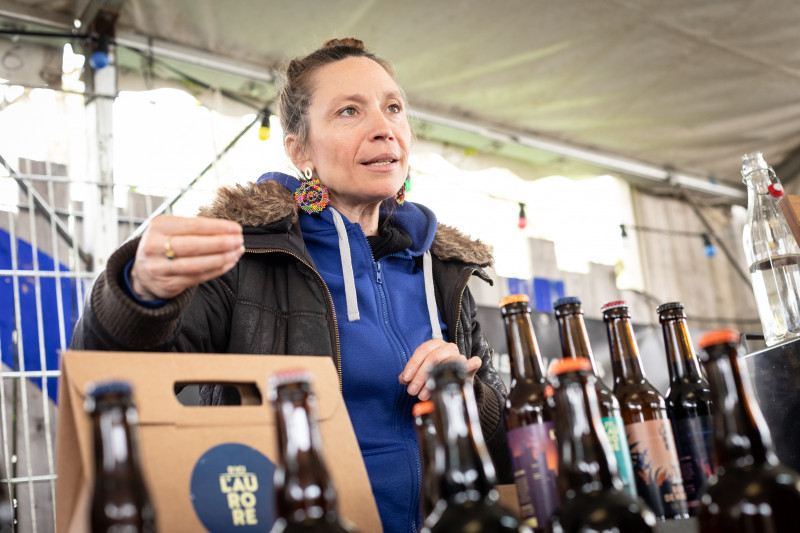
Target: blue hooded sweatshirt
<point x="378" y="333"/>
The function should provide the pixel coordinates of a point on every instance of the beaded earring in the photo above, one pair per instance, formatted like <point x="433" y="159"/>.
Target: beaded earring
<point x="312" y="196"/>
<point x="400" y="196"/>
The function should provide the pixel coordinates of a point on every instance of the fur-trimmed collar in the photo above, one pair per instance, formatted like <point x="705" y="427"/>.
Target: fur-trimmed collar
<point x="265" y="202"/>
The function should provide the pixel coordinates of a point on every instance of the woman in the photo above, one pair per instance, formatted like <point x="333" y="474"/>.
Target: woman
<point x="337" y="265"/>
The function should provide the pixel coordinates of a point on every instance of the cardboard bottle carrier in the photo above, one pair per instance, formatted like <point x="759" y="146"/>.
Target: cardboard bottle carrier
<point x="195" y="459"/>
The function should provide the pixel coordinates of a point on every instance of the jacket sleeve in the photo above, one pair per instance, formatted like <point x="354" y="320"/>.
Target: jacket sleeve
<point x="490" y="394"/>
<point x="112" y="320"/>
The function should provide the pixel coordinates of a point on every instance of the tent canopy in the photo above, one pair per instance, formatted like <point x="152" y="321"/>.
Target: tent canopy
<point x="681" y="88"/>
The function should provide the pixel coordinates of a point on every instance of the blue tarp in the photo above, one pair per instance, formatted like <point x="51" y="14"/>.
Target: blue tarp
<point x="28" y="345"/>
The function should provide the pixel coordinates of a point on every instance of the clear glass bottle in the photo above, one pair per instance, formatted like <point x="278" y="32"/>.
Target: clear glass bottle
<point x="772" y="253"/>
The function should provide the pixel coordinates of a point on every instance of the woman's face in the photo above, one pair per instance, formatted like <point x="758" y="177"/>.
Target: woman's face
<point x="359" y="134"/>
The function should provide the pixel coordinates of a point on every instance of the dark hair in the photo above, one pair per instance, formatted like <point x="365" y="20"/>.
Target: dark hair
<point x="296" y="92"/>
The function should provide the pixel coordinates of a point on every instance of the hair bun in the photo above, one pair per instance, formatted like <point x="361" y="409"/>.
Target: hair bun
<point x="352" y="42"/>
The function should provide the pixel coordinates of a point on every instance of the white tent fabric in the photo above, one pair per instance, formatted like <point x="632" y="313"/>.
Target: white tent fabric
<point x="683" y="84"/>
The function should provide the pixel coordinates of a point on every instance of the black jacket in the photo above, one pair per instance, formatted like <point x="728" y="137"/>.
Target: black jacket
<point x="270" y="301"/>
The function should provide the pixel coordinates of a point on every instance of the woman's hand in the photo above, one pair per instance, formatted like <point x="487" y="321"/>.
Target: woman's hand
<point x="426" y="356"/>
<point x="201" y="248"/>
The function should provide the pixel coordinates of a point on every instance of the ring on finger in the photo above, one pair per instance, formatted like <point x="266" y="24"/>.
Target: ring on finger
<point x="169" y="253"/>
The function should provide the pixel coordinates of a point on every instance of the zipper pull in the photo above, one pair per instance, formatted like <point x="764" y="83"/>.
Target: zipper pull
<point x="379" y="278"/>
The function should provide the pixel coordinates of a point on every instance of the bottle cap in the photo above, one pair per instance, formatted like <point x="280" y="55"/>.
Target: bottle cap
<point x="720" y="336"/>
<point x="422" y="408"/>
<point x="667" y="306"/>
<point x="567" y="300"/>
<point x="459" y="369"/>
<point x="776" y="189"/>
<point x="614" y="305"/>
<point x="102" y="388"/>
<point x="289" y="375"/>
<point x="513" y="298"/>
<point x="570" y="364"/>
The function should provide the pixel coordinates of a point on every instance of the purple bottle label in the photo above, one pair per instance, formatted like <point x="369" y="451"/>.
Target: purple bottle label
<point x="693" y="438"/>
<point x="534" y="457"/>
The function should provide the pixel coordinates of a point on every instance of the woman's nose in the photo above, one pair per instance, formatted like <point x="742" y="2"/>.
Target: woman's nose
<point x="381" y="127"/>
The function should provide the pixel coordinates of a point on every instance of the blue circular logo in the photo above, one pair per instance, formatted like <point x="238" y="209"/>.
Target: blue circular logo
<point x="231" y="489"/>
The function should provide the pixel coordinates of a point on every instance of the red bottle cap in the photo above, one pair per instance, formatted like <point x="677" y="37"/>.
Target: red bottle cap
<point x="720" y="336"/>
<point x="776" y="189"/>
<point x="614" y="305"/>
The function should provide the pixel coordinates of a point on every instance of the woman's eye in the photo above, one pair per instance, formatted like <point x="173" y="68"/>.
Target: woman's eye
<point x="395" y="108"/>
<point x="348" y="111"/>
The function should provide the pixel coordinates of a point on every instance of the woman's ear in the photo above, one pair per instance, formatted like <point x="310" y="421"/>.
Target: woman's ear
<point x="296" y="152"/>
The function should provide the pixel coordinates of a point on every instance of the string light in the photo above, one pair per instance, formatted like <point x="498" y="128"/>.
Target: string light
<point x="263" y="131"/>
<point x="99" y="58"/>
<point x="708" y="247"/>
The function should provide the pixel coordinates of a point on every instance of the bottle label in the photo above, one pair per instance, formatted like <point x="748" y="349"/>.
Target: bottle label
<point x="693" y="438"/>
<point x="615" y="432"/>
<point x="655" y="463"/>
<point x="534" y="457"/>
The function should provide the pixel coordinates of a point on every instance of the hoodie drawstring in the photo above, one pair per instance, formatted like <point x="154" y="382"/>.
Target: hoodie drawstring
<point x="351" y="297"/>
<point x="427" y="271"/>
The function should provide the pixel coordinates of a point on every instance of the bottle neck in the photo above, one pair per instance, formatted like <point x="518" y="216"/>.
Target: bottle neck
<point x="301" y="466"/>
<point x="625" y="360"/>
<point x="757" y="183"/>
<point x="681" y="359"/>
<point x="741" y="436"/>
<point x="523" y="350"/>
<point x="114" y="449"/>
<point x="586" y="462"/>
<point x="467" y="470"/>
<point x="574" y="338"/>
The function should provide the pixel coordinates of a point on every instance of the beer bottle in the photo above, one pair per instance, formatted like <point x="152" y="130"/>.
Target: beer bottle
<point x="575" y="343"/>
<point x="752" y="491"/>
<point x="529" y="420"/>
<point x="467" y="497"/>
<point x="7" y="508"/>
<point x="592" y="495"/>
<point x="644" y="411"/>
<point x="689" y="404"/>
<point x="120" y="499"/>
<point x="305" y="498"/>
<point x="426" y="438"/>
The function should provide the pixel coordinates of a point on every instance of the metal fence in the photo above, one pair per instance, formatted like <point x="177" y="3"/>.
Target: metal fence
<point x="44" y="277"/>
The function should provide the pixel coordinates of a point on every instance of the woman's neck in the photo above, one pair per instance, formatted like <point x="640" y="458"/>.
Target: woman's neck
<point x="366" y="215"/>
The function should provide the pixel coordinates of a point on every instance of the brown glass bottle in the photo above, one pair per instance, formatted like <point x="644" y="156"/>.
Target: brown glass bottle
<point x="426" y="438"/>
<point x="752" y="491"/>
<point x="7" y="509"/>
<point x="467" y="497"/>
<point x="575" y="343"/>
<point x="592" y="495"/>
<point x="647" y="426"/>
<point x="305" y="498"/>
<point x="529" y="419"/>
<point x="120" y="499"/>
<point x="689" y="404"/>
